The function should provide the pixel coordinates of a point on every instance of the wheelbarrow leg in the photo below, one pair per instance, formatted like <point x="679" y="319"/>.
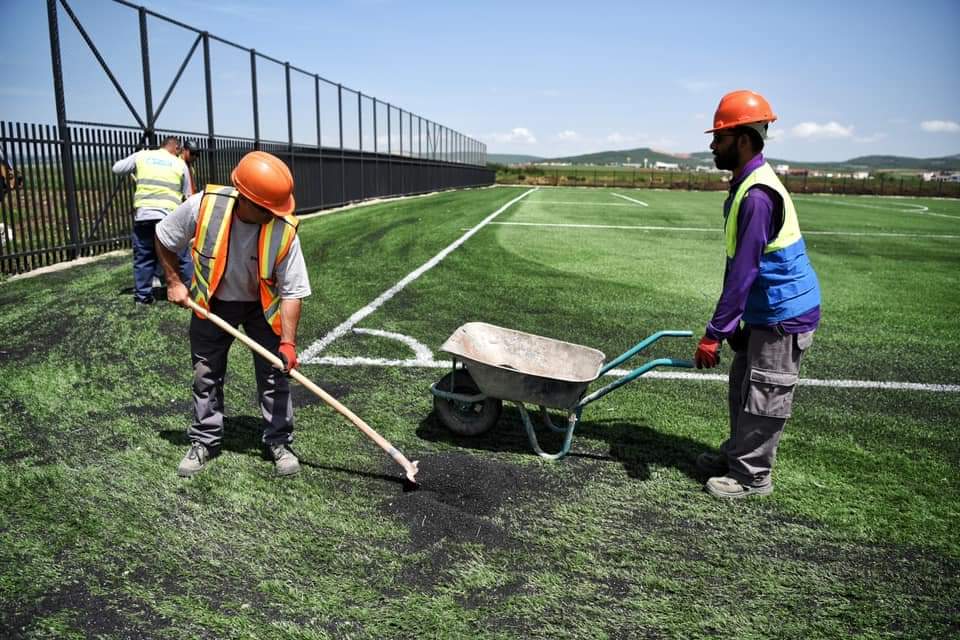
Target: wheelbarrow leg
<point x="532" y="436"/>
<point x="548" y="423"/>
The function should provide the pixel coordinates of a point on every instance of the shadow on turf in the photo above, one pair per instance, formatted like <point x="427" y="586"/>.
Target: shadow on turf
<point x="242" y="434"/>
<point x="635" y="446"/>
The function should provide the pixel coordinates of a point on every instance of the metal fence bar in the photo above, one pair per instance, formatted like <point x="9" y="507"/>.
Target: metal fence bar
<point x="254" y="93"/>
<point x="66" y="151"/>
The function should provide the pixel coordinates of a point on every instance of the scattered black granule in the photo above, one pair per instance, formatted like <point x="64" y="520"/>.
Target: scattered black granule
<point x="458" y="496"/>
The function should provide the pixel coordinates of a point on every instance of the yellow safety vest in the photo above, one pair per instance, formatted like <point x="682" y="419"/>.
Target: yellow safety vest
<point x="159" y="180"/>
<point x="212" y="241"/>
<point x="789" y="232"/>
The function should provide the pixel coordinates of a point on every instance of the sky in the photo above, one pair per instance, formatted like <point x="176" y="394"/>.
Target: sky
<point x="550" y="79"/>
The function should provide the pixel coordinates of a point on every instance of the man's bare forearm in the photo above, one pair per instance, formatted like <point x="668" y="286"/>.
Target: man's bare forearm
<point x="289" y="319"/>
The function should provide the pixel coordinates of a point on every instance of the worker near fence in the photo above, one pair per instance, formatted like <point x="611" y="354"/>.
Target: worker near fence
<point x="770" y="287"/>
<point x="188" y="153"/>
<point x="250" y="271"/>
<point x="162" y="183"/>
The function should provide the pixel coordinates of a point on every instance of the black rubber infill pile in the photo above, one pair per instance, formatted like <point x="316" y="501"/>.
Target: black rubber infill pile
<point x="460" y="495"/>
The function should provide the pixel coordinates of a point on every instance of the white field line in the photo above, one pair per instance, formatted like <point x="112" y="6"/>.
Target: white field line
<point x="584" y="204"/>
<point x="718" y="230"/>
<point x="919" y="209"/>
<point x="419" y="349"/>
<point x="640" y="202"/>
<point x="318" y="346"/>
<point x="431" y="363"/>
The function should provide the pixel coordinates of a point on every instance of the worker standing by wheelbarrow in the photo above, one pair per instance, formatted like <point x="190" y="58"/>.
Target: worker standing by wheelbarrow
<point x="771" y="286"/>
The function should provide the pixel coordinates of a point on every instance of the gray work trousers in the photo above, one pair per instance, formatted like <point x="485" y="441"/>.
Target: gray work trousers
<point x="762" y="381"/>
<point x="209" y="346"/>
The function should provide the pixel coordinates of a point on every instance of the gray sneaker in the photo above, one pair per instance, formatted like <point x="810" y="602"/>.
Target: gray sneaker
<point x="194" y="461"/>
<point x="713" y="463"/>
<point x="727" y="487"/>
<point x="284" y="459"/>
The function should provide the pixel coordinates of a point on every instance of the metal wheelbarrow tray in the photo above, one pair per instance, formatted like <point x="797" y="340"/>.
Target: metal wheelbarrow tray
<point x="504" y="364"/>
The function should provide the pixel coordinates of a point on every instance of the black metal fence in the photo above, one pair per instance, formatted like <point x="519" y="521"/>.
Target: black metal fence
<point x="37" y="228"/>
<point x="65" y="202"/>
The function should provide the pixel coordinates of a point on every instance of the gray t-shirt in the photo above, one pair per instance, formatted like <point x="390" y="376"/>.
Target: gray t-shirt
<point x="240" y="280"/>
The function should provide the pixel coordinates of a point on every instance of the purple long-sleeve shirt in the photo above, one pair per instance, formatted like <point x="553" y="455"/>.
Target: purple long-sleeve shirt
<point x="761" y="216"/>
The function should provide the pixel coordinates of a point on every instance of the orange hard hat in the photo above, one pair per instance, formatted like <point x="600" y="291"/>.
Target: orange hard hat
<point x="741" y="108"/>
<point x="265" y="180"/>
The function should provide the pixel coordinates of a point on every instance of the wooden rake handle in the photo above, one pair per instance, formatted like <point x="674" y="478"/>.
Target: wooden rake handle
<point x="409" y="467"/>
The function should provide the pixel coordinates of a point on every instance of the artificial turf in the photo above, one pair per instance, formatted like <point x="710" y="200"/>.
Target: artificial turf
<point x="99" y="538"/>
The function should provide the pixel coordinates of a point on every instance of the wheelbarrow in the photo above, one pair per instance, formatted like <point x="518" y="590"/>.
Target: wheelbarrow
<point x="497" y="364"/>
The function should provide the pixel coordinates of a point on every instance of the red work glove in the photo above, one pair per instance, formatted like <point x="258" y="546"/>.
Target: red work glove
<point x="288" y="353"/>
<point x="708" y="353"/>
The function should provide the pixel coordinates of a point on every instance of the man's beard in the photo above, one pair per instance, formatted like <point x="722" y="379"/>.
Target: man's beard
<point x="728" y="159"/>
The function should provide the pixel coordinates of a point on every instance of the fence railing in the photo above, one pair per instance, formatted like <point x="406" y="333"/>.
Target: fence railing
<point x="37" y="227"/>
<point x="587" y="176"/>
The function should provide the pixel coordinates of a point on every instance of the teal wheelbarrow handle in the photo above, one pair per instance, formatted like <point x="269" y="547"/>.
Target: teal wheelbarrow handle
<point x="574" y="416"/>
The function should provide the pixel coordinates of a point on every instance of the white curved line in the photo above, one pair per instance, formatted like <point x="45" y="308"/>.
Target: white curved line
<point x="419" y="349"/>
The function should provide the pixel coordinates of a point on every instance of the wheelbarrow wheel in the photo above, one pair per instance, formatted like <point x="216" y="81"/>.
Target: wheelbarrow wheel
<point x="465" y="418"/>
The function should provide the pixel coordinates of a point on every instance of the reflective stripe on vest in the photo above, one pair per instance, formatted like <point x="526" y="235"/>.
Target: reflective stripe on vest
<point x="159" y="180"/>
<point x="786" y="285"/>
<point x="212" y="242"/>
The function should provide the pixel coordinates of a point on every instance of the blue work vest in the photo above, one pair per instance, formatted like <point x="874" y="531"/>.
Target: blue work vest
<point x="786" y="285"/>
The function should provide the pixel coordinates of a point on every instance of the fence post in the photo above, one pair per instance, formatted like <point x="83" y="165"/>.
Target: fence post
<point x="147" y="84"/>
<point x="316" y="99"/>
<point x="286" y="77"/>
<point x="343" y="160"/>
<point x="253" y="92"/>
<point x="66" y="146"/>
<point x="208" y="83"/>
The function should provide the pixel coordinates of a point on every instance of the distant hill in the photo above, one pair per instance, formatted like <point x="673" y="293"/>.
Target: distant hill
<point x="512" y="158"/>
<point x="689" y="160"/>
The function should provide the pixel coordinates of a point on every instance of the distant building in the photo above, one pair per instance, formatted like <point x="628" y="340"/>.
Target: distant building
<point x="671" y="166"/>
<point x="941" y="176"/>
<point x="782" y="169"/>
<point x="860" y="175"/>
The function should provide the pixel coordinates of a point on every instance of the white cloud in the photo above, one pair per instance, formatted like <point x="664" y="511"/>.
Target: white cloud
<point x="520" y="135"/>
<point x="940" y="126"/>
<point x="829" y="130"/>
<point x="568" y="136"/>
